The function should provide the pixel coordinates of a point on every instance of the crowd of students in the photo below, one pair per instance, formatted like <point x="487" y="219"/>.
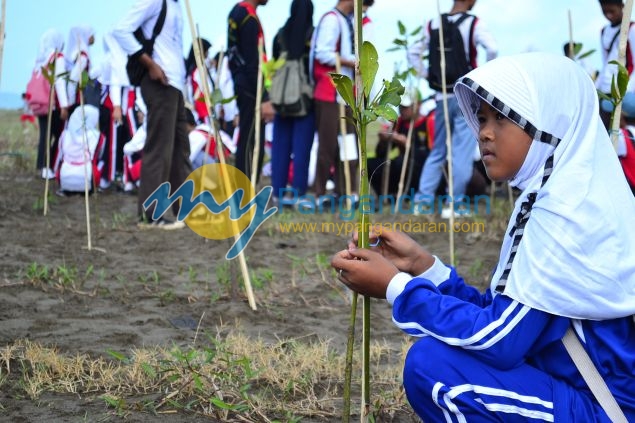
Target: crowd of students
<point x="325" y="48"/>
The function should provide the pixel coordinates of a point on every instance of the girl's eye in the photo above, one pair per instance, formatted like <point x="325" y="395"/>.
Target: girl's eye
<point x="500" y="116"/>
<point x="480" y="118"/>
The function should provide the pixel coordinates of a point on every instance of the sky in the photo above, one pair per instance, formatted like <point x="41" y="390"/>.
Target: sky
<point x="517" y="25"/>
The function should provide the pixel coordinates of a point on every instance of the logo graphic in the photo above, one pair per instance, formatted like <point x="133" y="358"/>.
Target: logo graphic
<point x="217" y="202"/>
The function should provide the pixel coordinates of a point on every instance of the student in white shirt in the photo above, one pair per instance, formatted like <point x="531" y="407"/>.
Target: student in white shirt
<point x="166" y="152"/>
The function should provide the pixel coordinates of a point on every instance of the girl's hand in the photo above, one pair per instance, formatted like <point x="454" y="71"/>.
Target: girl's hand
<point x="364" y="271"/>
<point x="157" y="74"/>
<point x="401" y="250"/>
<point x="117" y="115"/>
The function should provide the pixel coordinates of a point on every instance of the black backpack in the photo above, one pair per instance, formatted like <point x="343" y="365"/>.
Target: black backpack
<point x="136" y="71"/>
<point x="457" y="63"/>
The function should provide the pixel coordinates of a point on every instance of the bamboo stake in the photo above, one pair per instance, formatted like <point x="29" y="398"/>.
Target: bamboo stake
<point x="626" y="22"/>
<point x="87" y="159"/>
<point x="221" y="155"/>
<point x="448" y="135"/>
<point x="257" y="119"/>
<point x="208" y="138"/>
<point x="52" y="77"/>
<point x="571" y="43"/>
<point x="404" y="165"/>
<point x="343" y="132"/>
<point x="3" y="26"/>
<point x="387" y="163"/>
<point x="363" y="220"/>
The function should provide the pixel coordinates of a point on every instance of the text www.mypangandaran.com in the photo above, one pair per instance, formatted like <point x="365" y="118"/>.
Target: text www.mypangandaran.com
<point x="345" y="228"/>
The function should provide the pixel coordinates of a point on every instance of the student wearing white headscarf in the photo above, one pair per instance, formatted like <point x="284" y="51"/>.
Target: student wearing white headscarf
<point x="50" y="53"/>
<point x="80" y="147"/>
<point x="77" y="58"/>
<point x="118" y="120"/>
<point x="566" y="264"/>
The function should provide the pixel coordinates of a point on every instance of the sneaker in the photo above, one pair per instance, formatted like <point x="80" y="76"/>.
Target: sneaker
<point x="129" y="187"/>
<point x="48" y="173"/>
<point x="161" y="223"/>
<point x="446" y="213"/>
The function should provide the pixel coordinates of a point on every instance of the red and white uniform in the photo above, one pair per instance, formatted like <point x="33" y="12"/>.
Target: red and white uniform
<point x="332" y="36"/>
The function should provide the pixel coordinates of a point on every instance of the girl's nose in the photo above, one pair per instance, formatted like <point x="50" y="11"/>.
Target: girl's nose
<point x="485" y="133"/>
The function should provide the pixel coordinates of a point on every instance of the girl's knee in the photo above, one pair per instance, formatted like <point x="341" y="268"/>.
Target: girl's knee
<point x="426" y="363"/>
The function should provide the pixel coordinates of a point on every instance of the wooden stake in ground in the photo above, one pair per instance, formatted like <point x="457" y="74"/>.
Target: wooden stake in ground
<point x="343" y="133"/>
<point x="406" y="156"/>
<point x="257" y="118"/>
<point x="87" y="162"/>
<point x="221" y="154"/>
<point x="50" y="74"/>
<point x="448" y="134"/>
<point x="385" y="180"/>
<point x="626" y="24"/>
<point x="363" y="221"/>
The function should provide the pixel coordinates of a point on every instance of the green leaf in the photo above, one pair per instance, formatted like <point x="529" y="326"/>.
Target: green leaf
<point x="392" y="92"/>
<point x="587" y="54"/>
<point x="386" y="112"/>
<point x="344" y="86"/>
<point x="83" y="79"/>
<point x="49" y="73"/>
<point x="604" y="96"/>
<point x="614" y="89"/>
<point x="197" y="382"/>
<point x="148" y="370"/>
<point x="369" y="116"/>
<point x="400" y="42"/>
<point x="393" y="49"/>
<point x="369" y="64"/>
<point x="577" y="48"/>
<point x="402" y="28"/>
<point x="117" y="355"/>
<point x="228" y="100"/>
<point x="217" y="97"/>
<point x="416" y="31"/>
<point x="622" y="80"/>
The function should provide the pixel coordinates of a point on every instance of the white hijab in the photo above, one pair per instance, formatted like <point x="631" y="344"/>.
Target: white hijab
<point x="576" y="256"/>
<point x="50" y="42"/>
<point x="78" y="39"/>
<point x="73" y="137"/>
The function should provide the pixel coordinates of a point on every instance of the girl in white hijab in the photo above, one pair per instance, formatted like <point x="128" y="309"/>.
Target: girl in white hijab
<point x="119" y="98"/>
<point x="567" y="261"/>
<point x="50" y="53"/>
<point x="80" y="146"/>
<point x="77" y="58"/>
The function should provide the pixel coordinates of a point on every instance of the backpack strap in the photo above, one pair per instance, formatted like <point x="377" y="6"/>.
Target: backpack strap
<point x="610" y="47"/>
<point x="158" y="26"/>
<point x="472" y="46"/>
<point x="592" y="377"/>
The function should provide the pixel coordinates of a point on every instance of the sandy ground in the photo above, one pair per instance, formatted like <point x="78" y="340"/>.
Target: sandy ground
<point x="145" y="288"/>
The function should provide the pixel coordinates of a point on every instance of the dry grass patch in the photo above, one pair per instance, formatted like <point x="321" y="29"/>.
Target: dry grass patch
<point x="233" y="378"/>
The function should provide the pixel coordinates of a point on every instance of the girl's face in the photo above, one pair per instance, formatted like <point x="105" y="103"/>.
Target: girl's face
<point x="613" y="12"/>
<point x="502" y="143"/>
